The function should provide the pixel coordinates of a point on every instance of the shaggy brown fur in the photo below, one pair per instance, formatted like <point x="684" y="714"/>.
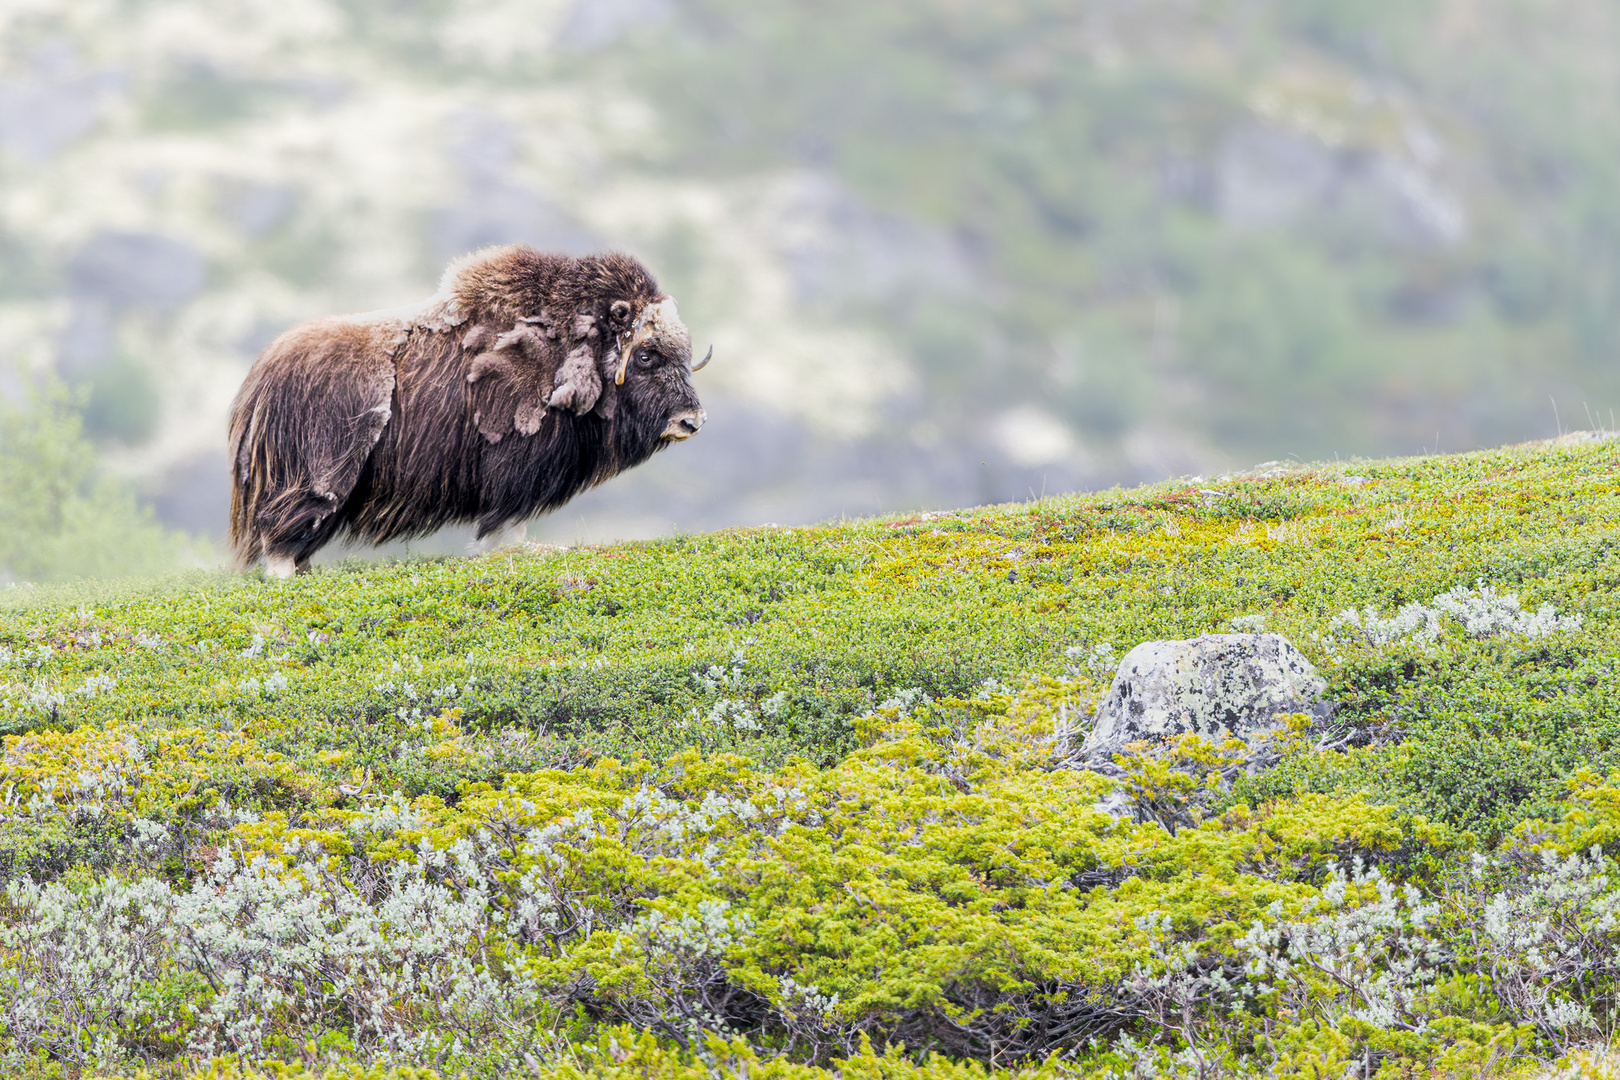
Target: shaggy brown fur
<point x="526" y="379"/>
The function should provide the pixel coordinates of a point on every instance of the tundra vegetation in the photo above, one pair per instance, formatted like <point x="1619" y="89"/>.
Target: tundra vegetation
<point x="802" y="802"/>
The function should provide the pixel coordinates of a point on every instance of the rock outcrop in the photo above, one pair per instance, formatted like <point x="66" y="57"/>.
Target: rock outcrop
<point x="1218" y="686"/>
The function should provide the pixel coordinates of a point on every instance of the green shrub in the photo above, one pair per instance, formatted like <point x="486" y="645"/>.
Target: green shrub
<point x="61" y="517"/>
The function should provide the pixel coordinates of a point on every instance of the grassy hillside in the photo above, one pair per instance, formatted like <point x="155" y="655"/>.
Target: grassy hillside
<point x="810" y="790"/>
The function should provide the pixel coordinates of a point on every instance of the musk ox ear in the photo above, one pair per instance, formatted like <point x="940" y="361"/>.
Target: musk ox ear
<point x="619" y="314"/>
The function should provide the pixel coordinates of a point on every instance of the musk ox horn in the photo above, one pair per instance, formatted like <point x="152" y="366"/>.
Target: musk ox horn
<point x="703" y="363"/>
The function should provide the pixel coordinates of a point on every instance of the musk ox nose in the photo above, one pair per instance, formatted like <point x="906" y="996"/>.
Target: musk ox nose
<point x="684" y="425"/>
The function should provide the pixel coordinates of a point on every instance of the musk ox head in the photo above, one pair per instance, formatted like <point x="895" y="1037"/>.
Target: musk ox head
<point x="527" y="378"/>
<point x="655" y="364"/>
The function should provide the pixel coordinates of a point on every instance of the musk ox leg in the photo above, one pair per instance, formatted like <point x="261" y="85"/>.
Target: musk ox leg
<point x="302" y="428"/>
<point x="296" y="525"/>
<point x="508" y="535"/>
<point x="284" y="566"/>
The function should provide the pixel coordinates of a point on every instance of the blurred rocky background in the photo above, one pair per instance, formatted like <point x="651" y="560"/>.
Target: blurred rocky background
<point x="948" y="253"/>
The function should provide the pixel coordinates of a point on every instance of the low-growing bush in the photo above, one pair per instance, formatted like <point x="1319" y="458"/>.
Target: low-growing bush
<point x="811" y="802"/>
<point x="890" y="899"/>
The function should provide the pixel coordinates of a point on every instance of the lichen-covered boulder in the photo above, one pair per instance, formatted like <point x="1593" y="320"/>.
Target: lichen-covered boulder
<point x="1218" y="686"/>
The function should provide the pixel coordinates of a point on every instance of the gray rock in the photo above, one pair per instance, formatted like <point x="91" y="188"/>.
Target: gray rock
<point x="1218" y="686"/>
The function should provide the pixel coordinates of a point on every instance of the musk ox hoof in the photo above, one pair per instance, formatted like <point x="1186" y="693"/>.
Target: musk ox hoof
<point x="279" y="566"/>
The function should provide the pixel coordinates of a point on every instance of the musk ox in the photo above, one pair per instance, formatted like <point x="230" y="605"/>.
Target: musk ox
<point x="525" y="379"/>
